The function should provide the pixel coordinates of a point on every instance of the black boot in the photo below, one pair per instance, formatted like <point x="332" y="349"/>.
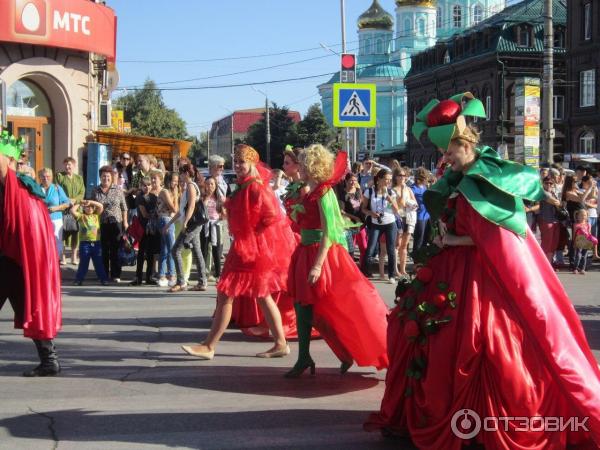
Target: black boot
<point x="49" y="365"/>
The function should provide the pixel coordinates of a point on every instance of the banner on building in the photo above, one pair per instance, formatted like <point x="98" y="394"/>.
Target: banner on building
<point x="117" y="120"/>
<point x="527" y="121"/>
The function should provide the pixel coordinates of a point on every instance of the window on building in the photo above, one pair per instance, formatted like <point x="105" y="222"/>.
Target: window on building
<point x="367" y="46"/>
<point x="457" y="16"/>
<point x="587" y="142"/>
<point x="408" y="28"/>
<point x="558" y="107"/>
<point x="421" y="27"/>
<point x="559" y="37"/>
<point x="438" y="17"/>
<point x="587" y="21"/>
<point x="523" y="36"/>
<point x="446" y="57"/>
<point x="379" y="46"/>
<point x="488" y="107"/>
<point x="371" y="139"/>
<point x="587" y="88"/>
<point x="477" y="14"/>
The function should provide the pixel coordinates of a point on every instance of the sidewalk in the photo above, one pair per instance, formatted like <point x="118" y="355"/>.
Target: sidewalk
<point x="127" y="385"/>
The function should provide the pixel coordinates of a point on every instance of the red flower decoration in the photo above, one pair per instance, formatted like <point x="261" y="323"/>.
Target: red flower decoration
<point x="439" y="300"/>
<point x="444" y="113"/>
<point x="424" y="274"/>
<point x="411" y="329"/>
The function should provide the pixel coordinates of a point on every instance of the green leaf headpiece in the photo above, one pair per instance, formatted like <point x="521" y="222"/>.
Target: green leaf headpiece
<point x="11" y="146"/>
<point x="445" y="120"/>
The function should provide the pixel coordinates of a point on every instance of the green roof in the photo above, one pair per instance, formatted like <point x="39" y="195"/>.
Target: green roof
<point x="503" y="39"/>
<point x="377" y="70"/>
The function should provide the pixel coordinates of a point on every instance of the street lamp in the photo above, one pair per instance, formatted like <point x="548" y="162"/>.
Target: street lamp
<point x="231" y="135"/>
<point x="268" y="130"/>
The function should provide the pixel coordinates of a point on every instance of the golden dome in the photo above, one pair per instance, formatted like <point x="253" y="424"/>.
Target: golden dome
<point x="423" y="3"/>
<point x="376" y="17"/>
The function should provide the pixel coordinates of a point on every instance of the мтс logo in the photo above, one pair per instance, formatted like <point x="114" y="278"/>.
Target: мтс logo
<point x="30" y="17"/>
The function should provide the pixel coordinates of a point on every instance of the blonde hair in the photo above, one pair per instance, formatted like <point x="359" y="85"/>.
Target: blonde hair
<point x="47" y="170"/>
<point x="318" y="162"/>
<point x="579" y="213"/>
<point x="157" y="173"/>
<point x="470" y="134"/>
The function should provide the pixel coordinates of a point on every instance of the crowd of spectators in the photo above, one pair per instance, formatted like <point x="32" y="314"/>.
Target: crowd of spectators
<point x="383" y="205"/>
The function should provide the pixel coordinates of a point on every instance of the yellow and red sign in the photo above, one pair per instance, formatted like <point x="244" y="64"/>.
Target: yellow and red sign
<point x="75" y="24"/>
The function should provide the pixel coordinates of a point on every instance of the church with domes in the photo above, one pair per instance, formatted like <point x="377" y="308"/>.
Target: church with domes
<point x="384" y="59"/>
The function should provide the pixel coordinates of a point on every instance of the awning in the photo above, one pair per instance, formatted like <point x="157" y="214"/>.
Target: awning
<point x="398" y="149"/>
<point x="168" y="150"/>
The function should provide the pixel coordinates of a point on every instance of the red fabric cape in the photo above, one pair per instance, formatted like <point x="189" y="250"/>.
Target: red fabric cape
<point x="27" y="237"/>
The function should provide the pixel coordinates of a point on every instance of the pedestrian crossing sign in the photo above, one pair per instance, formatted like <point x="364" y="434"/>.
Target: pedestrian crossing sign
<point x="354" y="105"/>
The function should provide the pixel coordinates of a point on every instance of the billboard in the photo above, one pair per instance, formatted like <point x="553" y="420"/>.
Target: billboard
<point x="527" y="121"/>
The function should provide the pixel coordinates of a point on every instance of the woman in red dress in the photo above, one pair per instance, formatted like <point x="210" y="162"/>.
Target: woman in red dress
<point x="246" y="312"/>
<point x="329" y="289"/>
<point x="486" y="329"/>
<point x="254" y="268"/>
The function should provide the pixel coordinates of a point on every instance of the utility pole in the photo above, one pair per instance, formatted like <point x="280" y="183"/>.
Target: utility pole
<point x="343" y="13"/>
<point x="548" y="85"/>
<point x="268" y="130"/>
<point x="208" y="144"/>
<point x="232" y="141"/>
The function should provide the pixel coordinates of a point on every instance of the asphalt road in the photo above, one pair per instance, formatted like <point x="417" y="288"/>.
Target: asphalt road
<point x="126" y="384"/>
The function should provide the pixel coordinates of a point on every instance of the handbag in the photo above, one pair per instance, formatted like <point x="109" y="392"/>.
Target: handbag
<point x="69" y="222"/>
<point x="561" y="213"/>
<point x="200" y="216"/>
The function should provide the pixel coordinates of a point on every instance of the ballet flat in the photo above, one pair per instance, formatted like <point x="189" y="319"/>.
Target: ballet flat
<point x="275" y="353"/>
<point x="202" y="355"/>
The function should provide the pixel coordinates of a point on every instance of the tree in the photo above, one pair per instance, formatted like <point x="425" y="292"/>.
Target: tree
<point x="283" y="132"/>
<point x="148" y="114"/>
<point x="314" y="129"/>
<point x="199" y="150"/>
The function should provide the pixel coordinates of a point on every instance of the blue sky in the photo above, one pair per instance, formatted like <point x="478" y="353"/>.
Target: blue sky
<point x="207" y="29"/>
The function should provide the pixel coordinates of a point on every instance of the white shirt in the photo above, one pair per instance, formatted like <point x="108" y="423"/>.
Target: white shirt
<point x="379" y="204"/>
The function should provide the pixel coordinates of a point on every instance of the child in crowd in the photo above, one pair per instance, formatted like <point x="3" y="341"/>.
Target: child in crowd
<point x="584" y="240"/>
<point x="89" y="240"/>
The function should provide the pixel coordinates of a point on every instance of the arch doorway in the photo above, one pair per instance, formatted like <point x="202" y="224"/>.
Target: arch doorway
<point x="30" y="117"/>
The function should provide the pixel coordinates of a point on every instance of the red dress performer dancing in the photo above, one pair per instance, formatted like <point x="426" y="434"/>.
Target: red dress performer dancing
<point x="330" y="291"/>
<point x="29" y="270"/>
<point x="256" y="265"/>
<point x="485" y="346"/>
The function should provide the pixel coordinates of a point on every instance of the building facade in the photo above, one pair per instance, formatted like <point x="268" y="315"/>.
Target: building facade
<point x="384" y="59"/>
<point x="491" y="60"/>
<point x="225" y="132"/>
<point x="55" y="63"/>
<point x="583" y="66"/>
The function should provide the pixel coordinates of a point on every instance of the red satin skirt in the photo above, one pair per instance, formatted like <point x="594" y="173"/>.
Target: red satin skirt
<point x="348" y="311"/>
<point x="484" y="360"/>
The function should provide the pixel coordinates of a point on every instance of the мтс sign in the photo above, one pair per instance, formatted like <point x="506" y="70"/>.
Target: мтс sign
<point x="354" y="105"/>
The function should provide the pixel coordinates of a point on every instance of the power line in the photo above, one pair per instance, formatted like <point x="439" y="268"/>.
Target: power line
<point x="407" y="31"/>
<point x="229" y="58"/>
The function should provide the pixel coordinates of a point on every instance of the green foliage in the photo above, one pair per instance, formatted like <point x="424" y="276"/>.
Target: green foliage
<point x="283" y="132"/>
<point x="148" y="114"/>
<point x="199" y="150"/>
<point x="314" y="129"/>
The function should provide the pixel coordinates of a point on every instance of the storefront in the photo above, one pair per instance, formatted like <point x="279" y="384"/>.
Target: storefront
<point x="55" y="58"/>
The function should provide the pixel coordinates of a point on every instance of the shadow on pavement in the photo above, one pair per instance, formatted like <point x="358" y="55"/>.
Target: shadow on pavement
<point x="274" y="429"/>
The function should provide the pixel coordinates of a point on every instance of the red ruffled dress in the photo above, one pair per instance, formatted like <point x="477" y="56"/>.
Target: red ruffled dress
<point x="507" y="343"/>
<point x="348" y="311"/>
<point x="258" y="260"/>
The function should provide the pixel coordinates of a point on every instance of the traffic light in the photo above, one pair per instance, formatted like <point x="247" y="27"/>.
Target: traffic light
<point x="348" y="72"/>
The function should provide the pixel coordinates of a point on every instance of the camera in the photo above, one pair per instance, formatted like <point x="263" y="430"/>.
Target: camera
<point x="379" y="217"/>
